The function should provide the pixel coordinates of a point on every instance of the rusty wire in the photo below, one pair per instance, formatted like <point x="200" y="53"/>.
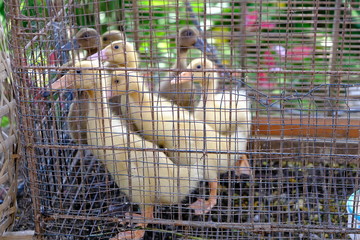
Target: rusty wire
<point x="296" y="60"/>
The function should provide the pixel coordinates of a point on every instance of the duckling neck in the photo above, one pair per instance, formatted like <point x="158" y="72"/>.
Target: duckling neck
<point x="131" y="64"/>
<point x="98" y="98"/>
<point x="140" y="93"/>
<point x="181" y="61"/>
<point x="211" y="83"/>
<point x="105" y="130"/>
<point x="98" y="103"/>
<point x="91" y="51"/>
<point x="131" y="60"/>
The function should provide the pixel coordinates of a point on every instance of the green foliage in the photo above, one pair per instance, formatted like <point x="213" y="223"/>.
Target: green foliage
<point x="158" y="20"/>
<point x="3" y="17"/>
<point x="110" y="12"/>
<point x="4" y="121"/>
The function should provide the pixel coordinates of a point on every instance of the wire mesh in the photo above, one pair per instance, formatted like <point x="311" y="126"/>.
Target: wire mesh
<point x="293" y="65"/>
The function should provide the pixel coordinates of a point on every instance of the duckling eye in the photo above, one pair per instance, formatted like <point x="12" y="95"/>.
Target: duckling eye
<point x="188" y="33"/>
<point x="105" y="39"/>
<point x="117" y="81"/>
<point x="116" y="46"/>
<point x="85" y="35"/>
<point x="198" y="66"/>
<point x="78" y="71"/>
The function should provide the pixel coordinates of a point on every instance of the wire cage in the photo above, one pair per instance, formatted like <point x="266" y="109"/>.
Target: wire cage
<point x="268" y="125"/>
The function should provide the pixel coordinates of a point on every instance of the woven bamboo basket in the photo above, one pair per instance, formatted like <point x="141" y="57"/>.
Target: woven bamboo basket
<point x="8" y="144"/>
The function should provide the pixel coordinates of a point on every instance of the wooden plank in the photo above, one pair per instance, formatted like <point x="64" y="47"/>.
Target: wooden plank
<point x="306" y="127"/>
<point x="316" y="147"/>
<point x="23" y="235"/>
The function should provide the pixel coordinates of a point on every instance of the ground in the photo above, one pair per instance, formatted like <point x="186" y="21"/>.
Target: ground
<point x="285" y="197"/>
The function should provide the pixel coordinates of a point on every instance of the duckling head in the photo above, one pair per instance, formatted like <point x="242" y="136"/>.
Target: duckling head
<point x="86" y="39"/>
<point x="111" y="36"/>
<point x="120" y="53"/>
<point x="190" y="37"/>
<point x="198" y="76"/>
<point x="123" y="82"/>
<point x="84" y="76"/>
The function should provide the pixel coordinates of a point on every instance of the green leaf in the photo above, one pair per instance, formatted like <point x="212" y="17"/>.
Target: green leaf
<point x="4" y="122"/>
<point x="154" y="3"/>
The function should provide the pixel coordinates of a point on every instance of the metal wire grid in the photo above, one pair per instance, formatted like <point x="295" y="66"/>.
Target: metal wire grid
<point x="303" y="176"/>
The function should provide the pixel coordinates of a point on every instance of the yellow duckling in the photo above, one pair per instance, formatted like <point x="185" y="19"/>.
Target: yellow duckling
<point x="185" y="139"/>
<point x="86" y="39"/>
<point x="148" y="177"/>
<point x="183" y="94"/>
<point x="119" y="53"/>
<point x="162" y="123"/>
<point x="111" y="36"/>
<point x="226" y="112"/>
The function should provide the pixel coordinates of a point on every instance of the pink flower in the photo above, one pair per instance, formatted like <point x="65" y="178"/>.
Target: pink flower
<point x="252" y="22"/>
<point x="267" y="25"/>
<point x="264" y="81"/>
<point x="296" y="53"/>
<point x="251" y="19"/>
<point x="269" y="60"/>
<point x="262" y="77"/>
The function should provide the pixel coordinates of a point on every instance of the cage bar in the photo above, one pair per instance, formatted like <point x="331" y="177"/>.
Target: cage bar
<point x="293" y="64"/>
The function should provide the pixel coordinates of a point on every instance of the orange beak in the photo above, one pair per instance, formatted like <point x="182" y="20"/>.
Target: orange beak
<point x="109" y="93"/>
<point x="112" y="93"/>
<point x="66" y="81"/>
<point x="183" y="77"/>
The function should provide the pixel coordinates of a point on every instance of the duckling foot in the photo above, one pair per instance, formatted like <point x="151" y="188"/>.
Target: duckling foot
<point x="243" y="167"/>
<point x="202" y="206"/>
<point x="135" y="235"/>
<point x="133" y="217"/>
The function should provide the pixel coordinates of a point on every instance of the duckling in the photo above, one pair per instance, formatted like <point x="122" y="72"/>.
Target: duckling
<point x="148" y="177"/>
<point x="87" y="39"/>
<point x="183" y="94"/>
<point x="189" y="37"/>
<point x="119" y="53"/>
<point x="228" y="112"/>
<point x="111" y="36"/>
<point x="154" y="117"/>
<point x="186" y="139"/>
<point x="222" y="111"/>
